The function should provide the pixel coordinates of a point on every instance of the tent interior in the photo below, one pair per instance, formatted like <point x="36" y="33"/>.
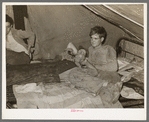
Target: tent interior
<point x="57" y="25"/>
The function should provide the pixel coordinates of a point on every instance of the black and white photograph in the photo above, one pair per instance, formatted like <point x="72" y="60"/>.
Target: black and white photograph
<point x="74" y="61"/>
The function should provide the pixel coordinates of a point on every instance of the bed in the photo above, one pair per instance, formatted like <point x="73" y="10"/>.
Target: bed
<point x="130" y="55"/>
<point x="55" y="94"/>
<point x="35" y="93"/>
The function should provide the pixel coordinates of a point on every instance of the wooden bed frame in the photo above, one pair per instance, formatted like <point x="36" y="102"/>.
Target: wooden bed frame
<point x="119" y="49"/>
<point x="129" y="103"/>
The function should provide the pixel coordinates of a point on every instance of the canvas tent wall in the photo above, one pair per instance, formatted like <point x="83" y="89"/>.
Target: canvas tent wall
<point x="57" y="25"/>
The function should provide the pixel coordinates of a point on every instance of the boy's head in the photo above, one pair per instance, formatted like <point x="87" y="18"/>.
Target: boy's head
<point x="9" y="24"/>
<point x="98" y="35"/>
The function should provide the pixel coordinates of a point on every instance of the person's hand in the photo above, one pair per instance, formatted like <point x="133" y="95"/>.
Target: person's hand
<point x="84" y="61"/>
<point x="29" y="51"/>
<point x="69" y="51"/>
<point x="105" y="83"/>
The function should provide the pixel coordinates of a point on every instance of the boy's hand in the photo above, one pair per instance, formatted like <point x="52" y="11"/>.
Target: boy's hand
<point x="69" y="51"/>
<point x="84" y="62"/>
<point x="105" y="84"/>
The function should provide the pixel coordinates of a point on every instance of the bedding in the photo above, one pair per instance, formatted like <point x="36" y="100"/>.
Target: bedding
<point x="61" y="95"/>
<point x="57" y="95"/>
<point x="132" y="75"/>
<point x="36" y="72"/>
<point x="108" y="86"/>
<point x="31" y="73"/>
<point x="16" y="58"/>
<point x="46" y="71"/>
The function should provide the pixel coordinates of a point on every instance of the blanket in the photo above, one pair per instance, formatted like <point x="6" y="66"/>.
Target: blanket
<point x="56" y="95"/>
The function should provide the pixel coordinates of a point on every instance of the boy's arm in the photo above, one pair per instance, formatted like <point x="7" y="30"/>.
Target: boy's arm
<point x="88" y="64"/>
<point x="93" y="71"/>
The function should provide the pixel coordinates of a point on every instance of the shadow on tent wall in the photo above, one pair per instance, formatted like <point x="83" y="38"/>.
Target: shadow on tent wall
<point x="20" y="11"/>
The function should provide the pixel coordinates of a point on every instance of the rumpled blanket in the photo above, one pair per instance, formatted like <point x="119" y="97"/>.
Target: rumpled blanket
<point x="133" y="81"/>
<point x="107" y="84"/>
<point x="57" y="95"/>
<point x="16" y="58"/>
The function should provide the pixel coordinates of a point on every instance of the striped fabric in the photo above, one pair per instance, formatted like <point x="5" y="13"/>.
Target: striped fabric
<point x="58" y="95"/>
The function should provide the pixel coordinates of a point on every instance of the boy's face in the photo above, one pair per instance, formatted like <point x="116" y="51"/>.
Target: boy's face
<point x="96" y="40"/>
<point x="8" y="27"/>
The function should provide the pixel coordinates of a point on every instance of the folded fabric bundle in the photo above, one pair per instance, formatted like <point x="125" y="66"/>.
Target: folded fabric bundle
<point x="136" y="85"/>
<point x="30" y="87"/>
<point x="131" y="103"/>
<point x="130" y="93"/>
